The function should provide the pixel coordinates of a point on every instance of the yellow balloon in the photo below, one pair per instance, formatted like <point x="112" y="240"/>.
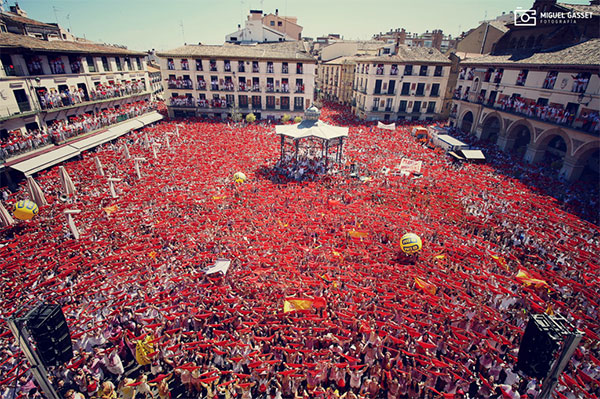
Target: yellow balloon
<point x="411" y="243"/>
<point x="25" y="210"/>
<point x="239" y="177"/>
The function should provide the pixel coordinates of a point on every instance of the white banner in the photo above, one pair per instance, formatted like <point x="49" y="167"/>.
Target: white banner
<point x="408" y="165"/>
<point x="384" y="126"/>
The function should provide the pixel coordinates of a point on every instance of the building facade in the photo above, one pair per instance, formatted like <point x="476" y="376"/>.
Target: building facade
<point x="434" y="39"/>
<point x="46" y="81"/>
<point x="543" y="107"/>
<point x="269" y="80"/>
<point x="267" y="28"/>
<point x="408" y="85"/>
<point x="156" y="83"/>
<point x="336" y="78"/>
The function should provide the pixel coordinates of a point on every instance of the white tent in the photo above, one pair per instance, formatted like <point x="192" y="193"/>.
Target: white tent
<point x="35" y="192"/>
<point x="5" y="218"/>
<point x="66" y="182"/>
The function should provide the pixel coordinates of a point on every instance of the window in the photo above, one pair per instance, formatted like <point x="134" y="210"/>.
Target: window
<point x="75" y="64"/>
<point x="417" y="107"/>
<point x="437" y="71"/>
<point x="170" y="64"/>
<point x="256" y="103"/>
<point x="423" y="71"/>
<point x="402" y="107"/>
<point x="375" y="104"/>
<point x="34" y="65"/>
<point x="185" y="64"/>
<point x="90" y="63"/>
<point x="394" y="70"/>
<point x="299" y="86"/>
<point x="285" y="85"/>
<point x="522" y="77"/>
<point x="106" y="65"/>
<point x="435" y="90"/>
<point x="420" y="89"/>
<point x="431" y="107"/>
<point x="284" y="67"/>
<point x="139" y="63"/>
<point x="279" y="23"/>
<point x="214" y="83"/>
<point x="128" y="63"/>
<point x="213" y="65"/>
<point x="22" y="100"/>
<point x="56" y="64"/>
<point x="270" y="85"/>
<point x="299" y="68"/>
<point x="255" y="67"/>
<point x="377" y="87"/>
<point x="199" y="65"/>
<point x="243" y="101"/>
<point x="272" y="23"/>
<point x="298" y="104"/>
<point x="391" y="87"/>
<point x="270" y="68"/>
<point x="118" y="62"/>
<point x="270" y="102"/>
<point x="498" y="75"/>
<point x="285" y="103"/>
<point x="201" y="83"/>
<point x="227" y="65"/>
<point x="580" y="82"/>
<point x="550" y="80"/>
<point x="379" y="70"/>
<point x="408" y="70"/>
<point x="405" y="89"/>
<point x="255" y="84"/>
<point x="241" y="67"/>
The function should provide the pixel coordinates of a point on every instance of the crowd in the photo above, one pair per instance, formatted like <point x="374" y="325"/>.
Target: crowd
<point x="17" y="142"/>
<point x="552" y="113"/>
<point x="53" y="98"/>
<point x="64" y="129"/>
<point x="146" y="320"/>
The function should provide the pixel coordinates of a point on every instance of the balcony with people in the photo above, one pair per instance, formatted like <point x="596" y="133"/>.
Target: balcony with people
<point x="285" y="85"/>
<point x="299" y="68"/>
<point x="170" y="64"/>
<point x="180" y="83"/>
<point x="227" y="66"/>
<point x="241" y="67"/>
<point x="203" y="103"/>
<point x="218" y="103"/>
<point x="213" y="66"/>
<point x="21" y="141"/>
<point x="199" y="67"/>
<point x="270" y="67"/>
<point x="182" y="102"/>
<point x="284" y="67"/>
<point x="201" y="83"/>
<point x="379" y="69"/>
<point x="214" y="84"/>
<point x="255" y="67"/>
<point x="299" y="86"/>
<point x="54" y="98"/>
<point x="228" y="84"/>
<point x="242" y="86"/>
<point x="394" y="70"/>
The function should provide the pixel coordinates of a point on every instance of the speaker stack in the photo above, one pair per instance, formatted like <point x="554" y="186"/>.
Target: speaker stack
<point x="538" y="347"/>
<point x="48" y="327"/>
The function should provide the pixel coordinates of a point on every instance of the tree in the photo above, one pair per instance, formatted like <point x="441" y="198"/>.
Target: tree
<point x="297" y="119"/>
<point x="250" y="118"/>
<point x="236" y="115"/>
<point x="285" y="118"/>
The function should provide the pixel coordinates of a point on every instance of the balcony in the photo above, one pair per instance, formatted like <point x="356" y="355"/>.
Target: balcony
<point x="181" y="102"/>
<point x="256" y="88"/>
<point x="11" y="70"/>
<point x="284" y="69"/>
<point x="379" y="71"/>
<point x="242" y="87"/>
<point x="214" y="86"/>
<point x="298" y="108"/>
<point x="181" y="85"/>
<point x="394" y="71"/>
<point x="202" y="85"/>
<point x="95" y="96"/>
<point x="227" y="87"/>
<point x="299" y="89"/>
<point x="270" y="89"/>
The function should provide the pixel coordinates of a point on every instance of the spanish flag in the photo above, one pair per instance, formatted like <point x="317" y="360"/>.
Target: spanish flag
<point x="293" y="303"/>
<point x="425" y="286"/>
<point x="528" y="280"/>
<point x="500" y="261"/>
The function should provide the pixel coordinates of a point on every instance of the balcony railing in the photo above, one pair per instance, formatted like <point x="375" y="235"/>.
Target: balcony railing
<point x="12" y="70"/>
<point x="181" y="85"/>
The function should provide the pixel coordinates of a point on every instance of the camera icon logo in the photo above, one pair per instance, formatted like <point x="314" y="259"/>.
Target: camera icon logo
<point x="525" y="17"/>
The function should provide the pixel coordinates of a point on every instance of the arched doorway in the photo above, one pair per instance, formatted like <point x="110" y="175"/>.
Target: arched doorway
<point x="556" y="149"/>
<point x="490" y="129"/>
<point x="591" y="168"/>
<point x="467" y="122"/>
<point x="522" y="136"/>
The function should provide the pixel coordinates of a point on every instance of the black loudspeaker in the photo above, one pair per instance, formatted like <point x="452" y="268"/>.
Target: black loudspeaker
<point x="48" y="327"/>
<point x="538" y="347"/>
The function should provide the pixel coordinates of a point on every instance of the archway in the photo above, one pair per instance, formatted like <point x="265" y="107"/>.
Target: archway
<point x="591" y="167"/>
<point x="556" y="149"/>
<point x="490" y="129"/>
<point x="467" y="122"/>
<point x="522" y="136"/>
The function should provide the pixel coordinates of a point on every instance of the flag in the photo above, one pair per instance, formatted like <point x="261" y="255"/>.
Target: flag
<point x="358" y="234"/>
<point x="291" y="304"/>
<point x="500" y="261"/>
<point x="110" y="209"/>
<point x="528" y="280"/>
<point x="425" y="286"/>
<point x="152" y="254"/>
<point x="142" y="349"/>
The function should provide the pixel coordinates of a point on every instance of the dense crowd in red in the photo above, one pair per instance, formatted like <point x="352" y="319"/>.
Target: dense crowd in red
<point x="136" y="275"/>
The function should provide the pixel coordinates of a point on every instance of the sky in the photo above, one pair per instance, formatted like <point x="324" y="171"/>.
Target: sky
<point x="152" y="24"/>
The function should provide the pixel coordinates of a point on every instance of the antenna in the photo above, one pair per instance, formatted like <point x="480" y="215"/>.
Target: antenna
<point x="182" y="31"/>
<point x="69" y="19"/>
<point x="55" y="15"/>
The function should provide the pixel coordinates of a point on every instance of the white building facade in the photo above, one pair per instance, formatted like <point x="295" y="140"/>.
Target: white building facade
<point x="46" y="81"/>
<point x="269" y="80"/>
<point x="544" y="107"/>
<point x="408" y="85"/>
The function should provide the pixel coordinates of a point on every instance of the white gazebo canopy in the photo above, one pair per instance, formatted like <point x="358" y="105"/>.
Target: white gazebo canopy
<point x="313" y="128"/>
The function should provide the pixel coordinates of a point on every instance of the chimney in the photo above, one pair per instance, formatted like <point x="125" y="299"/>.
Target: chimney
<point x="276" y="11"/>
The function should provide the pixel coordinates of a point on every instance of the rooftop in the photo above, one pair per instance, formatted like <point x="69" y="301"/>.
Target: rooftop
<point x="283" y="50"/>
<point x="585" y="53"/>
<point x="8" y="16"/>
<point x="411" y="54"/>
<point x="593" y="8"/>
<point x="342" y="60"/>
<point x="21" y="42"/>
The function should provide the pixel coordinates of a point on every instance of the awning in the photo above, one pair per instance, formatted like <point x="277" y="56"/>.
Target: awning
<point x="65" y="152"/>
<point x="45" y="160"/>
<point x="311" y="128"/>
<point x="473" y="155"/>
<point x="455" y="155"/>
